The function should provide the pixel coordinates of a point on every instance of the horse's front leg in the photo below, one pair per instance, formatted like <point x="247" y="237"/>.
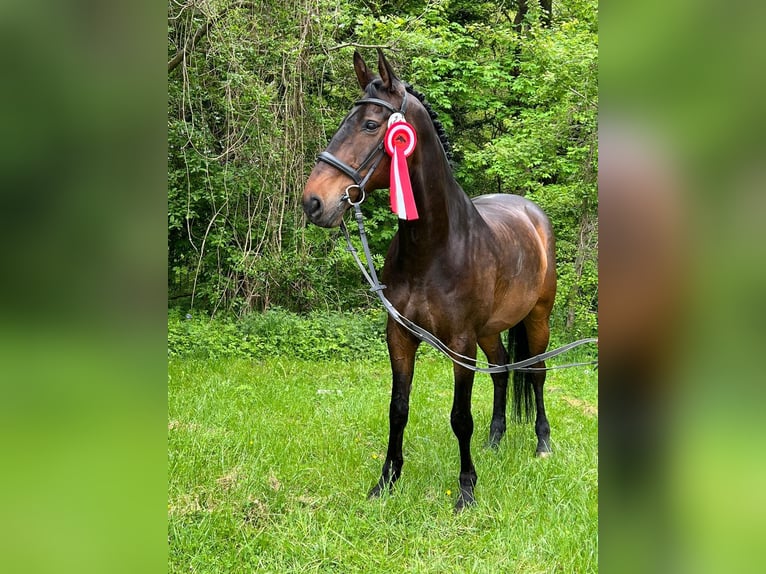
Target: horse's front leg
<point x="462" y="425"/>
<point x="401" y="350"/>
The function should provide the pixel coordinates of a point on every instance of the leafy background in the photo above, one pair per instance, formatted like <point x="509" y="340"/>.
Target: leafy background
<point x="255" y="90"/>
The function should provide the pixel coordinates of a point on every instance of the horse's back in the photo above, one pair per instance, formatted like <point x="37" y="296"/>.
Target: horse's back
<point x="509" y="216"/>
<point x="524" y="245"/>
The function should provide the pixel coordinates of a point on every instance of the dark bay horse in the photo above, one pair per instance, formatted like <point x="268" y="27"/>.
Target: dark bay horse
<point x="465" y="270"/>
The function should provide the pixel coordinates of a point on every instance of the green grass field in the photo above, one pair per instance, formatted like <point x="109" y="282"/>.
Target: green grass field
<point x="269" y="464"/>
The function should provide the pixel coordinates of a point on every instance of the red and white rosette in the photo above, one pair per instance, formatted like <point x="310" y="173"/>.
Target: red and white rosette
<point x="400" y="142"/>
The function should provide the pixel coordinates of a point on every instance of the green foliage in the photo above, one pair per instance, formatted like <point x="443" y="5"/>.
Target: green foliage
<point x="278" y="332"/>
<point x="262" y="93"/>
<point x="317" y="336"/>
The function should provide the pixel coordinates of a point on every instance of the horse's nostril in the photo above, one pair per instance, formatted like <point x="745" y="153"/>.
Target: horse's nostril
<point x="312" y="206"/>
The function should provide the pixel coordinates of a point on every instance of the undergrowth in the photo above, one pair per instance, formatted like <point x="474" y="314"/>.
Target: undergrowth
<point x="277" y="332"/>
<point x="317" y="336"/>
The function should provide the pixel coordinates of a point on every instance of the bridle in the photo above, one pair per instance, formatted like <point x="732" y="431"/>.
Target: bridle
<point x="373" y="158"/>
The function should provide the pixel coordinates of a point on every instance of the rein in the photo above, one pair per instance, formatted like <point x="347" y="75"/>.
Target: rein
<point x="430" y="338"/>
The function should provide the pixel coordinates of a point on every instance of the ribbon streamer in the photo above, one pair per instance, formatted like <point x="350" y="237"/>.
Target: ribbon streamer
<point x="400" y="142"/>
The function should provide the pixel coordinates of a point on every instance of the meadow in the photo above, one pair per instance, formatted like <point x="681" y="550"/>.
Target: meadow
<point x="270" y="460"/>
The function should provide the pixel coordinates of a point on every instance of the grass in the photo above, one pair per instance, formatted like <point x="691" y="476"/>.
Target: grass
<point x="270" y="463"/>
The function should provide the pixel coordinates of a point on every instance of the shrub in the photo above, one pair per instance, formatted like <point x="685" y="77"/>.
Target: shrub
<point x="277" y="332"/>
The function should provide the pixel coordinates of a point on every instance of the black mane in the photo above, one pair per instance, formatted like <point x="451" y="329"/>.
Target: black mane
<point x="376" y="84"/>
<point x="434" y="119"/>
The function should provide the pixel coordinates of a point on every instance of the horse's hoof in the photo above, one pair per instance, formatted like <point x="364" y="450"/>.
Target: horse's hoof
<point x="378" y="490"/>
<point x="494" y="440"/>
<point x="543" y="454"/>
<point x="465" y="498"/>
<point x="464" y="502"/>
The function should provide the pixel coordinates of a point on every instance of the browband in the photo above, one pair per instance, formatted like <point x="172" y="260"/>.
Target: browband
<point x="385" y="104"/>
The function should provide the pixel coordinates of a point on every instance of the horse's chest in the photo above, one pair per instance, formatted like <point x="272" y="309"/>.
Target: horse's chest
<point x="444" y="298"/>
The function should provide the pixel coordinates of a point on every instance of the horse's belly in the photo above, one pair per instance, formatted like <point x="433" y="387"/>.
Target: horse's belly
<point x="506" y="316"/>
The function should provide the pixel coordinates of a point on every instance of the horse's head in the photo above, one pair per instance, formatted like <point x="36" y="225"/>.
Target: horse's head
<point x="355" y="160"/>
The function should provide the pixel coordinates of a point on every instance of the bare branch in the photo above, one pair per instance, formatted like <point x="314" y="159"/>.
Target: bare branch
<point x="587" y="100"/>
<point x="355" y="45"/>
<point x="180" y="56"/>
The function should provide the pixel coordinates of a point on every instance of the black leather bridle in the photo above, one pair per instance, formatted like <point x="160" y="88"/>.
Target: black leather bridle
<point x="373" y="158"/>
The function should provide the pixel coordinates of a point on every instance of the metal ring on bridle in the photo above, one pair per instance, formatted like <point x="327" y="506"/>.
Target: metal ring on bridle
<point x="347" y="196"/>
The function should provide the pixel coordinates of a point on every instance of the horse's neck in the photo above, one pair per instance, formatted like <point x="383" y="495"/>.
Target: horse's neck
<point x="444" y="210"/>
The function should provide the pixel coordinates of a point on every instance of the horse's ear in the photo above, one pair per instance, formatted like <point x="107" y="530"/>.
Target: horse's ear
<point x="362" y="72"/>
<point x="386" y="72"/>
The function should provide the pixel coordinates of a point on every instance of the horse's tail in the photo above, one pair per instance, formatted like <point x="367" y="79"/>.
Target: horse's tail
<point x="522" y="401"/>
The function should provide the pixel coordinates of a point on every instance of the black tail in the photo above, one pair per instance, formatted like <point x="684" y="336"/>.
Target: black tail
<point x="518" y="346"/>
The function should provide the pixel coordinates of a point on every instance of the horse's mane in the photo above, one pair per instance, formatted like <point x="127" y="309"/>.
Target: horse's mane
<point x="431" y="113"/>
<point x="434" y="119"/>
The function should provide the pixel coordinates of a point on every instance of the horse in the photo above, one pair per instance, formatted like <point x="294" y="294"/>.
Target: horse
<point x="467" y="270"/>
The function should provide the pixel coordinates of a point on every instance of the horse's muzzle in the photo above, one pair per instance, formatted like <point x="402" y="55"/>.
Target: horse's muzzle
<point x="312" y="207"/>
<point x="321" y="213"/>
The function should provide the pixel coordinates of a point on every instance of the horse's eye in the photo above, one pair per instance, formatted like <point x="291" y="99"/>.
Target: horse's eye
<point x="371" y="126"/>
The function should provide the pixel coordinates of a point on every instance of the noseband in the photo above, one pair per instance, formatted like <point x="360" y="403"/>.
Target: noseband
<point x="373" y="158"/>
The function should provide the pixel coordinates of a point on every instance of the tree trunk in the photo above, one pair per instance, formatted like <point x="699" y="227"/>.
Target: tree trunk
<point x="547" y="7"/>
<point x="523" y="8"/>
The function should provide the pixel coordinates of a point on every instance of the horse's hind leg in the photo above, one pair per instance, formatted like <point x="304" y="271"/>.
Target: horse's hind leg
<point x="496" y="354"/>
<point x="538" y="334"/>
<point x="401" y="349"/>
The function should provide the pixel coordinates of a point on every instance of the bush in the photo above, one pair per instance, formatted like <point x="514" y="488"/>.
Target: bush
<point x="344" y="336"/>
<point x="316" y="336"/>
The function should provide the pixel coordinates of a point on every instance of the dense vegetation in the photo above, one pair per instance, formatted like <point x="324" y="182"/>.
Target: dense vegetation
<point x="255" y="90"/>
